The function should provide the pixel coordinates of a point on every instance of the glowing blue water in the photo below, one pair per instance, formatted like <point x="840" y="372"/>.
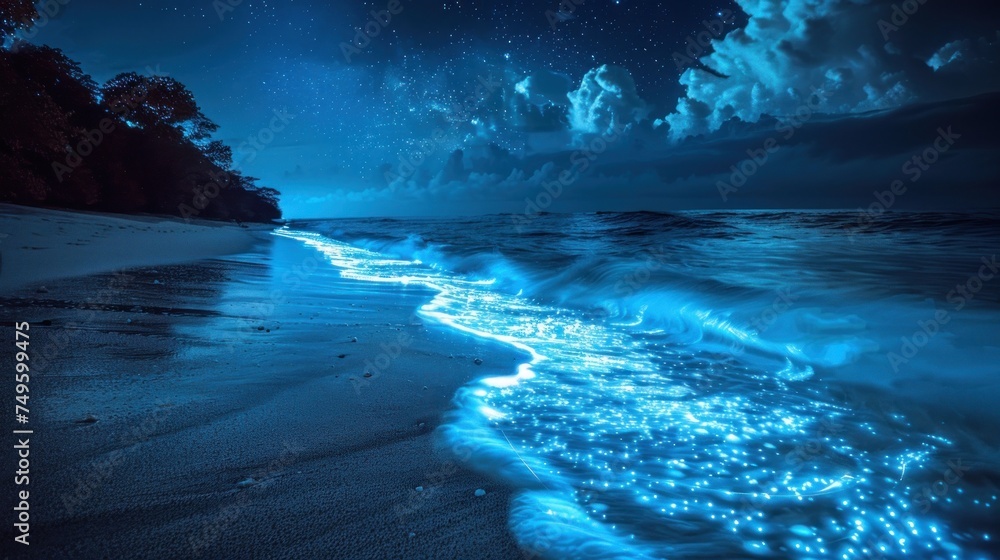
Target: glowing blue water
<point x="692" y="388"/>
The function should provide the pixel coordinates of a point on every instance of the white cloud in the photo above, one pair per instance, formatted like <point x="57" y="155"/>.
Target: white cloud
<point x="605" y="101"/>
<point x="545" y="87"/>
<point x="791" y="48"/>
<point x="788" y="50"/>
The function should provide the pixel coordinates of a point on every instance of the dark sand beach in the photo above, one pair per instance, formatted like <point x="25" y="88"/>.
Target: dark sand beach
<point x="221" y="409"/>
<point x="507" y="280"/>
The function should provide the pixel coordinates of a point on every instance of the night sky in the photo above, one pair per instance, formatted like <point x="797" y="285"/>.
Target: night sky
<point x="473" y="107"/>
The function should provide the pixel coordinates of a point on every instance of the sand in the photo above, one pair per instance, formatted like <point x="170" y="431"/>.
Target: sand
<point x="41" y="245"/>
<point x="220" y="409"/>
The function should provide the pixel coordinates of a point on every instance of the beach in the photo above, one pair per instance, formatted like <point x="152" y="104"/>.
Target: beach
<point x="290" y="280"/>
<point x="206" y="390"/>
<point x="605" y="386"/>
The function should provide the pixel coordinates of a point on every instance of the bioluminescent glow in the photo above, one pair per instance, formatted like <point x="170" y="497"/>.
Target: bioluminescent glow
<point x="636" y="441"/>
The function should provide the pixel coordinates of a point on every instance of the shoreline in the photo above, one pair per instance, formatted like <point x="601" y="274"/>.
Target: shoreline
<point x="204" y="410"/>
<point x="42" y="245"/>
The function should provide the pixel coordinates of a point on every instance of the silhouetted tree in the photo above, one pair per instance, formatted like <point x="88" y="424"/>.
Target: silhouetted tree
<point x="62" y="80"/>
<point x="139" y="144"/>
<point x="219" y="154"/>
<point x="157" y="101"/>
<point x="35" y="132"/>
<point x="16" y="14"/>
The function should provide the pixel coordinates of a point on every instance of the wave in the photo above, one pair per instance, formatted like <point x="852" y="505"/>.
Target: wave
<point x="685" y="393"/>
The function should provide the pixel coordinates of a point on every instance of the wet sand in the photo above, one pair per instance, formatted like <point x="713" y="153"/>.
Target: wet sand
<point x="222" y="410"/>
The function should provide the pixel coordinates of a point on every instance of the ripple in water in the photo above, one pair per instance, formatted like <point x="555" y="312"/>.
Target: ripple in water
<point x="680" y="442"/>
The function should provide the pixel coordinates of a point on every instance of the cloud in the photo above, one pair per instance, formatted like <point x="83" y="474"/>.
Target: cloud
<point x="948" y="54"/>
<point x="827" y="163"/>
<point x="539" y="102"/>
<point x="967" y="56"/>
<point x="605" y="101"/>
<point x="862" y="55"/>
<point x="453" y="170"/>
<point x="884" y="94"/>
<point x="545" y="87"/>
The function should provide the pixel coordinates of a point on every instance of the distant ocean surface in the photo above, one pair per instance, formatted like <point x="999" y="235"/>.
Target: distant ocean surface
<point x="720" y="385"/>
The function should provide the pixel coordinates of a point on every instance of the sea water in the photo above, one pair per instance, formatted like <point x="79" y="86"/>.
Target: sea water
<point x="719" y="385"/>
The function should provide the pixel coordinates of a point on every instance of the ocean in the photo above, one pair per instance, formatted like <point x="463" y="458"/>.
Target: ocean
<point x="718" y="384"/>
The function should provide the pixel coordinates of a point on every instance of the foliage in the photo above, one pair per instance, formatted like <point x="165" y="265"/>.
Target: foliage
<point x="135" y="144"/>
<point x="16" y="14"/>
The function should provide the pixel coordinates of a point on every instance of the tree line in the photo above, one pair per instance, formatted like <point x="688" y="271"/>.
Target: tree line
<point x="136" y="144"/>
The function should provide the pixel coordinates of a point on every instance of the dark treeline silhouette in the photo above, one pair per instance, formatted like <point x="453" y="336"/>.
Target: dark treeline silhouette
<point x="137" y="144"/>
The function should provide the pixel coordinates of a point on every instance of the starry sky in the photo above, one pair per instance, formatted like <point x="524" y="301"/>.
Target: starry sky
<point x="467" y="107"/>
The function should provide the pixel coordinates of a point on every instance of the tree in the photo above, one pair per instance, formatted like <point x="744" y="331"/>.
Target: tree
<point x="154" y="102"/>
<point x="57" y="148"/>
<point x="219" y="154"/>
<point x="36" y="132"/>
<point x="62" y="80"/>
<point x="264" y="204"/>
<point x="16" y="14"/>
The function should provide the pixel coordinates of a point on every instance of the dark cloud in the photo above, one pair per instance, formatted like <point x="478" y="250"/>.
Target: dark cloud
<point x="825" y="162"/>
<point x="870" y="75"/>
<point x="546" y="87"/>
<point x="862" y="56"/>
